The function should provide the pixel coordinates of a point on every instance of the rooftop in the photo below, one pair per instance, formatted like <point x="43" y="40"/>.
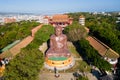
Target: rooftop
<point x="60" y="18"/>
<point x="103" y="49"/>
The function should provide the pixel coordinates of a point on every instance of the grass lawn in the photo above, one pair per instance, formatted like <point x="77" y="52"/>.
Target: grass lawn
<point x="72" y="49"/>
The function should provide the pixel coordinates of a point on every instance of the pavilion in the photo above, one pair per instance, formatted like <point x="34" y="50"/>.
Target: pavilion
<point x="61" y="20"/>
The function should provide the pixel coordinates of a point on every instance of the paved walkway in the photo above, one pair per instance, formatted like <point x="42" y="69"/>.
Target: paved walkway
<point x="63" y="76"/>
<point x="51" y="76"/>
<point x="78" y="59"/>
<point x="16" y="49"/>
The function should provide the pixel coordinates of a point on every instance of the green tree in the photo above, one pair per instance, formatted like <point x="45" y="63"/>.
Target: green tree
<point x="27" y="64"/>
<point x="91" y="55"/>
<point x="14" y="31"/>
<point x="75" y="32"/>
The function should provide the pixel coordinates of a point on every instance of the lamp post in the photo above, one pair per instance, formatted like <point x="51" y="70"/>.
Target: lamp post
<point x="56" y="72"/>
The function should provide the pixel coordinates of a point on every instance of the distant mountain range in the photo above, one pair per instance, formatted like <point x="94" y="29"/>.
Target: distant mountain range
<point x="20" y="13"/>
<point x="14" y="13"/>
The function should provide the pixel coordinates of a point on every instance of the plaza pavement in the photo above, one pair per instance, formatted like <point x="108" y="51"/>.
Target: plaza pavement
<point x="63" y="76"/>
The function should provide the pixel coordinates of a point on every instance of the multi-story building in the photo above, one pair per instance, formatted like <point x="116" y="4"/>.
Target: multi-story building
<point x="82" y="20"/>
<point x="46" y="19"/>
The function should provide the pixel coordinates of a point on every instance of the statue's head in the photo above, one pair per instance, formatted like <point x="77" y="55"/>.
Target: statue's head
<point x="58" y="30"/>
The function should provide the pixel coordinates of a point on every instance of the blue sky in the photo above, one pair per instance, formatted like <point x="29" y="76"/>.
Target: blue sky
<point x="52" y="6"/>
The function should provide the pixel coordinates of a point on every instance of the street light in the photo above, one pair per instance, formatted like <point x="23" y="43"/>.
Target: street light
<point x="56" y="72"/>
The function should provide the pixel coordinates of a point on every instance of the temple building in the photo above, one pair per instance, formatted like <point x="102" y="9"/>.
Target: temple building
<point x="82" y="20"/>
<point x="46" y="20"/>
<point x="61" y="20"/>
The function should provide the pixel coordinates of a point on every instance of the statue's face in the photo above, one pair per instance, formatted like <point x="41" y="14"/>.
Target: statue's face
<point x="58" y="31"/>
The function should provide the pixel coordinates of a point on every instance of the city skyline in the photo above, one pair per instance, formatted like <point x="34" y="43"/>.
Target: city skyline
<point x="58" y="6"/>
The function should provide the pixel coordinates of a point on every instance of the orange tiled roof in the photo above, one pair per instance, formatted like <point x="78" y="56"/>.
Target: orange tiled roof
<point x="99" y="47"/>
<point x="60" y="18"/>
<point x="103" y="49"/>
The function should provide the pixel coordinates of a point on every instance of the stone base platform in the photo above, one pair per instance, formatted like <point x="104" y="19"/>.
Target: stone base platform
<point x="60" y="63"/>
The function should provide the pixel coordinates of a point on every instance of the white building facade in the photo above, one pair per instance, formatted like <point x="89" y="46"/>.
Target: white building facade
<point x="82" y="20"/>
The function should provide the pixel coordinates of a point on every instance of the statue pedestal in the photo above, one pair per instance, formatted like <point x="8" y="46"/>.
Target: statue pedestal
<point x="61" y="63"/>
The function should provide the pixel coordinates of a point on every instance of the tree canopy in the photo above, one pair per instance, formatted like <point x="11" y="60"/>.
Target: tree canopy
<point x="15" y="31"/>
<point x="75" y="32"/>
<point x="27" y="64"/>
<point x="91" y="55"/>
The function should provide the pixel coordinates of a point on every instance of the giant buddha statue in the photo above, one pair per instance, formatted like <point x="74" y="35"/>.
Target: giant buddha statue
<point x="58" y="44"/>
<point x="58" y="54"/>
